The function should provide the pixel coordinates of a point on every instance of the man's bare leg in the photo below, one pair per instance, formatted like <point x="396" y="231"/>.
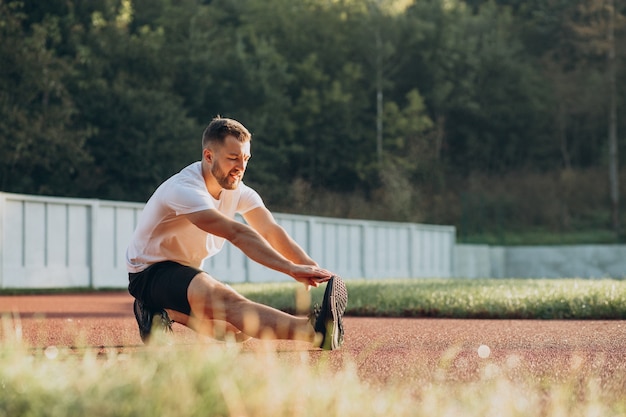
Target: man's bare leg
<point x="212" y="328"/>
<point x="218" y="304"/>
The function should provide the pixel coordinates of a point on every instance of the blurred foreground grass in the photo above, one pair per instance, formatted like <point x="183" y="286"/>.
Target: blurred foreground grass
<point x="221" y="380"/>
<point x="464" y="298"/>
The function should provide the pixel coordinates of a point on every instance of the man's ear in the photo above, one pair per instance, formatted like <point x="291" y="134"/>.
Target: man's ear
<point x="207" y="155"/>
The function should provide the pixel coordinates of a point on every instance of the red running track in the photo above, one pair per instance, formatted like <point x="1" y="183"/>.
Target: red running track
<point x="382" y="349"/>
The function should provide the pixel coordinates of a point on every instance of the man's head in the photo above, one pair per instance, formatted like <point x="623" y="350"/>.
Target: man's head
<point x="219" y="128"/>
<point x="225" y="154"/>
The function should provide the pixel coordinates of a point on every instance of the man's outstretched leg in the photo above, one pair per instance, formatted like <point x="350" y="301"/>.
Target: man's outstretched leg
<point x="217" y="310"/>
<point x="213" y="301"/>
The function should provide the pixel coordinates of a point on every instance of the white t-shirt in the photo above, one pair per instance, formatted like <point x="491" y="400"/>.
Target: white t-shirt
<point x="165" y="234"/>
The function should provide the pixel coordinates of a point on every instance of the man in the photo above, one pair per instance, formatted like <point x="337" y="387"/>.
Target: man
<point x="187" y="220"/>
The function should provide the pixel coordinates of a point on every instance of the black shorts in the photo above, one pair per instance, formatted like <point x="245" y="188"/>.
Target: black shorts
<point x="163" y="285"/>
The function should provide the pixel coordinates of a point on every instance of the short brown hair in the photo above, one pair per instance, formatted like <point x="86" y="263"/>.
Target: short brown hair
<point x="220" y="128"/>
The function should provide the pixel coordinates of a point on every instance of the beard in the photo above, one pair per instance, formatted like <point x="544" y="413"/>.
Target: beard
<point x="224" y="179"/>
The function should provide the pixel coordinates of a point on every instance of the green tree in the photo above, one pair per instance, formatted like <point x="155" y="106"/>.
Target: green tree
<point x="483" y="91"/>
<point x="410" y="161"/>
<point x="141" y="130"/>
<point x="40" y="150"/>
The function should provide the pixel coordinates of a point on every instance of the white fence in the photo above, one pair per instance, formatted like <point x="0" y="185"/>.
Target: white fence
<point x="50" y="242"/>
<point x="573" y="261"/>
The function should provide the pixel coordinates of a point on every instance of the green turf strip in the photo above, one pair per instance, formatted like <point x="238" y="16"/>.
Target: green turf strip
<point x="463" y="298"/>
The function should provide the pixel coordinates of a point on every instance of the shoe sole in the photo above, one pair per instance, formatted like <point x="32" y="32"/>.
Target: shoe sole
<point x="338" y="299"/>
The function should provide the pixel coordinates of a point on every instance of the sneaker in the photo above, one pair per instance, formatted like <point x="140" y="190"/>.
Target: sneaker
<point x="328" y="320"/>
<point x="146" y="320"/>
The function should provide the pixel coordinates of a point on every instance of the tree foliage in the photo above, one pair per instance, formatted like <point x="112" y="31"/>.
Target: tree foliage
<point x="403" y="110"/>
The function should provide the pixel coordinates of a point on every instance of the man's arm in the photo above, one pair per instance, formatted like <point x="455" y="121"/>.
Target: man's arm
<point x="255" y="246"/>
<point x="262" y="220"/>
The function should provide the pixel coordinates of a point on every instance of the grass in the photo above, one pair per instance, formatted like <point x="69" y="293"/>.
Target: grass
<point x="463" y="298"/>
<point x="543" y="237"/>
<point x="223" y="380"/>
<point x="220" y="380"/>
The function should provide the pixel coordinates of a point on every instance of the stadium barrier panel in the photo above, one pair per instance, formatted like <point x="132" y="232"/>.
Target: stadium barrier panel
<point x="54" y="242"/>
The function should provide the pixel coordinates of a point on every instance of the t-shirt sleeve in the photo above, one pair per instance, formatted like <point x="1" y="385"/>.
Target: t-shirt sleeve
<point x="248" y="200"/>
<point x="184" y="198"/>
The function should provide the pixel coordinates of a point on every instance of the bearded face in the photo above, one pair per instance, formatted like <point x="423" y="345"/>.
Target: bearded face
<point x="227" y="180"/>
<point x="228" y="162"/>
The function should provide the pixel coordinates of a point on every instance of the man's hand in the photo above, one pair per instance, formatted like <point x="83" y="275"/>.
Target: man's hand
<point x="310" y="275"/>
